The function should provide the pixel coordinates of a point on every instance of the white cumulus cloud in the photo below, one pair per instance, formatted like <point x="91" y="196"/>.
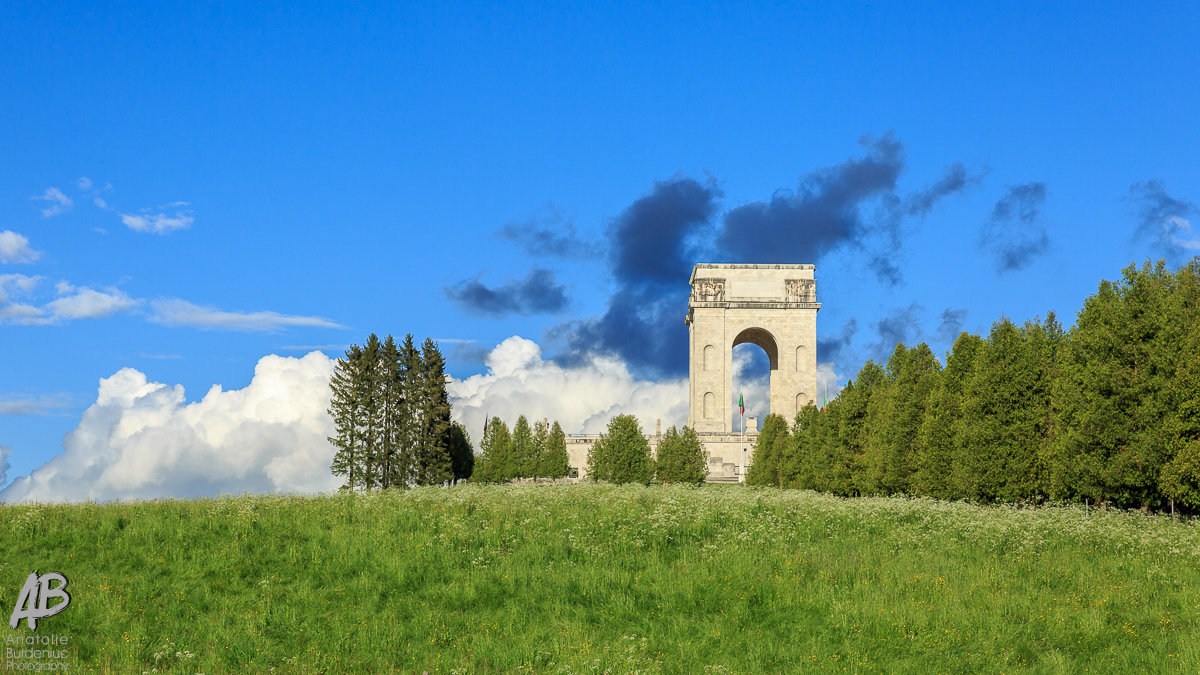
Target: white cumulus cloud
<point x="59" y="203"/>
<point x="143" y="440"/>
<point x="583" y="398"/>
<point x="177" y="312"/>
<point x="158" y="223"/>
<point x="14" y="248"/>
<point x="88" y="303"/>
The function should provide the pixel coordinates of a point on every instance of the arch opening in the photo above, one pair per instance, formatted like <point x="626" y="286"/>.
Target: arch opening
<point x="763" y="338"/>
<point x="751" y="379"/>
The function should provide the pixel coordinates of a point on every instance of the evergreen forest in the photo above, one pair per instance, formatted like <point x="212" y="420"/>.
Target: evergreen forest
<point x="1107" y="412"/>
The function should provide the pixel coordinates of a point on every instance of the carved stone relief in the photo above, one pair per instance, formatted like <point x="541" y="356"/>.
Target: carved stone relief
<point x="800" y="290"/>
<point x="708" y="290"/>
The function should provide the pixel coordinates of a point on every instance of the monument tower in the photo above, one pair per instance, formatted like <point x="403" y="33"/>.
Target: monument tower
<point x="772" y="306"/>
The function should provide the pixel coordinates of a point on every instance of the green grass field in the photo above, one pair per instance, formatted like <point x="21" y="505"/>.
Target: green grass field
<point x="597" y="578"/>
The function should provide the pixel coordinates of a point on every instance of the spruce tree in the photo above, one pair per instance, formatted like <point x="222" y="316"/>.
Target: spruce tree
<point x="554" y="461"/>
<point x="493" y="463"/>
<point x="793" y="452"/>
<point x="462" y="455"/>
<point x="913" y="378"/>
<point x="847" y="466"/>
<point x="764" y="467"/>
<point x="523" y="452"/>
<point x="936" y="448"/>
<point x="433" y="463"/>
<point x="347" y="414"/>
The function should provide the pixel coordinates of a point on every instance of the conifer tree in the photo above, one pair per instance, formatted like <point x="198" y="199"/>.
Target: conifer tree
<point x="681" y="457"/>
<point x="847" y="466"/>
<point x="912" y="374"/>
<point x="523" y="452"/>
<point x="1179" y="479"/>
<point x="554" y="462"/>
<point x="764" y="468"/>
<point x="1111" y="393"/>
<point x="936" y="448"/>
<point x="541" y="432"/>
<point x="794" y="451"/>
<point x="347" y="414"/>
<point x="433" y="465"/>
<point x="462" y="455"/>
<point x="494" y="462"/>
<point x="622" y="454"/>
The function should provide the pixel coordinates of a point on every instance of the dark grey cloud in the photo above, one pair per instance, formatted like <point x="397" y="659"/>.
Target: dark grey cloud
<point x="957" y="178"/>
<point x="886" y="270"/>
<point x="1164" y="219"/>
<point x="830" y="349"/>
<point x="654" y="244"/>
<point x="951" y="325"/>
<point x="539" y="293"/>
<point x="658" y="239"/>
<point x="824" y="212"/>
<point x="827" y="210"/>
<point x="548" y="232"/>
<point x="901" y="325"/>
<point x="1016" y="234"/>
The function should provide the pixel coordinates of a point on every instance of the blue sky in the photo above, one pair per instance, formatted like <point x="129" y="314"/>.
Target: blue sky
<point x="185" y="191"/>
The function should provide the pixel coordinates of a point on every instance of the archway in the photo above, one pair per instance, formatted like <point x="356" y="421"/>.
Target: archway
<point x="755" y="355"/>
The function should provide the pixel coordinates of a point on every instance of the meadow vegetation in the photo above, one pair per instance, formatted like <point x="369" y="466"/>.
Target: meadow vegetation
<point x="603" y="578"/>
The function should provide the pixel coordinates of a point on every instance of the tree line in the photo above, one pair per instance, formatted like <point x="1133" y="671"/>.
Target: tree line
<point x="1107" y="412"/>
<point x="527" y="452"/>
<point x="392" y="417"/>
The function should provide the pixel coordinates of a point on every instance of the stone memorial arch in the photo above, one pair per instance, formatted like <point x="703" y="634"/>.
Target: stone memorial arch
<point x="772" y="306"/>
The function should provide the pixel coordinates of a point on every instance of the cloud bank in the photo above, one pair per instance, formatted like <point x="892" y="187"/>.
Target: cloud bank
<point x="142" y="440"/>
<point x="582" y="397"/>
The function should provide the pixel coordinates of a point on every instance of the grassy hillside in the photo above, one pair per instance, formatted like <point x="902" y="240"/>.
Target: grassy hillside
<point x="601" y="578"/>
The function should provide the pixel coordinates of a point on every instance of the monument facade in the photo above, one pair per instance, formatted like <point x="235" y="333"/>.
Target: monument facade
<point x="772" y="306"/>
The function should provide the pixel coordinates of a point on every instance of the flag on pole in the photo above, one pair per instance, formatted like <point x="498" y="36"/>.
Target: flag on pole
<point x="741" y="406"/>
<point x="485" y="421"/>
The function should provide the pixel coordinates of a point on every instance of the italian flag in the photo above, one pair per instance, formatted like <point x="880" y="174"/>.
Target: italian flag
<point x="741" y="406"/>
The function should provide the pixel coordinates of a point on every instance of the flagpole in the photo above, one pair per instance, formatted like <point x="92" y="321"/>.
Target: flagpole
<point x="742" y="407"/>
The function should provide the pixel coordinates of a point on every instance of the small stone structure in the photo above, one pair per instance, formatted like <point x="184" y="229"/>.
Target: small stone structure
<point x="772" y="306"/>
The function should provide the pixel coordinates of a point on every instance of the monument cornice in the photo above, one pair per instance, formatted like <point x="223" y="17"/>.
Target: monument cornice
<point x="746" y="266"/>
